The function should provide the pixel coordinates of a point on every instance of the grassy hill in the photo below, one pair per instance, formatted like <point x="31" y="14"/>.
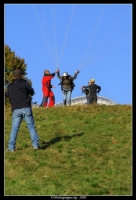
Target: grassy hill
<point x="85" y="150"/>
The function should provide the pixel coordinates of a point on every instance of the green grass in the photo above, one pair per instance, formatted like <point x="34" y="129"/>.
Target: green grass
<point x="85" y="150"/>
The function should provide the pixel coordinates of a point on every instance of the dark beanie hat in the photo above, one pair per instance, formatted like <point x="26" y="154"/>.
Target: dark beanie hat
<point x="17" y="72"/>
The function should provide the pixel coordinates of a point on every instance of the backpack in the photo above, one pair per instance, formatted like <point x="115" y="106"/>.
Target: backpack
<point x="71" y="83"/>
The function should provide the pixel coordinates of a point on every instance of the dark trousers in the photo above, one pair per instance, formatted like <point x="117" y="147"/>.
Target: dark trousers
<point x="92" y="100"/>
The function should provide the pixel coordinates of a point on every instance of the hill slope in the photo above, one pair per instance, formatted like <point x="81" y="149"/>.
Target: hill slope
<point x="85" y="150"/>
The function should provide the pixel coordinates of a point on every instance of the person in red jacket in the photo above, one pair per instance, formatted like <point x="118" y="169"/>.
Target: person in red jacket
<point x="46" y="89"/>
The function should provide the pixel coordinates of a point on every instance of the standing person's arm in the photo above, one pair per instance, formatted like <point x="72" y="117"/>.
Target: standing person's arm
<point x="30" y="90"/>
<point x="85" y="87"/>
<point x="47" y="77"/>
<point x="98" y="89"/>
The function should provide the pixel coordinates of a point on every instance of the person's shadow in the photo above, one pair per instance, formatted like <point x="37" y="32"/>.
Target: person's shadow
<point x="45" y="145"/>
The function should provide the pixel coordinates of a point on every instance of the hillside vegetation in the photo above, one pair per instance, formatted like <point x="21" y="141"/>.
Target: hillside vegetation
<point x="85" y="150"/>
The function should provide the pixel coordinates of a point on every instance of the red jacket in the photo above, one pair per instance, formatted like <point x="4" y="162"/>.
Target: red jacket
<point x="46" y="81"/>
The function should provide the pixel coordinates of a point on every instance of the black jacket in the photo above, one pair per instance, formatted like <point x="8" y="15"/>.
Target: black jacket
<point x="18" y="92"/>
<point x="93" y="89"/>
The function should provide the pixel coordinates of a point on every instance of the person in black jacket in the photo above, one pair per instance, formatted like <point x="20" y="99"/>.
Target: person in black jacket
<point x="19" y="92"/>
<point x="91" y="91"/>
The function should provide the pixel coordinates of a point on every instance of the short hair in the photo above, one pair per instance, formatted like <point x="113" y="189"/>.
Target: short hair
<point x="46" y="71"/>
<point x="17" y="73"/>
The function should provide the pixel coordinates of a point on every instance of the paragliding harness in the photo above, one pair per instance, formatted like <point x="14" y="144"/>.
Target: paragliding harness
<point x="71" y="83"/>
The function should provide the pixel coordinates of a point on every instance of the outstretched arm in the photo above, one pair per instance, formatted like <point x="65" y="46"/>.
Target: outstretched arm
<point x="47" y="77"/>
<point x="58" y="74"/>
<point x="75" y="75"/>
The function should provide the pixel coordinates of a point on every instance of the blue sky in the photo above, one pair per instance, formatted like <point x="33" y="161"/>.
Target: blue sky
<point x="93" y="38"/>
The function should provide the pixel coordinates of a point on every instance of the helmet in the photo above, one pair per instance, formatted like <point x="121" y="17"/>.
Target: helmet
<point x="65" y="74"/>
<point x="92" y="80"/>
